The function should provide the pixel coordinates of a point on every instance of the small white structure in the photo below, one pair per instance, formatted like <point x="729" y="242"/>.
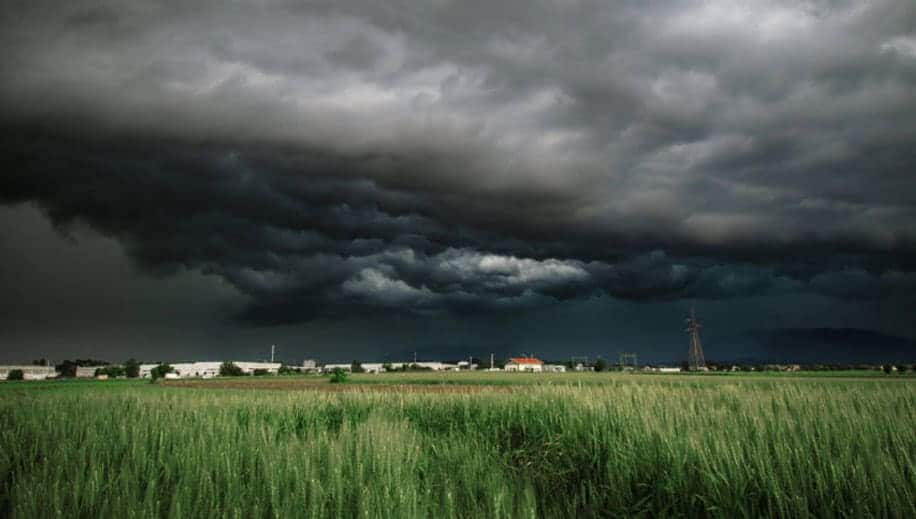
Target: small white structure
<point x="86" y="371"/>
<point x="555" y="368"/>
<point x="668" y="370"/>
<point x="29" y="372"/>
<point x="529" y="364"/>
<point x="372" y="367"/>
<point x="435" y="366"/>
<point x="327" y="368"/>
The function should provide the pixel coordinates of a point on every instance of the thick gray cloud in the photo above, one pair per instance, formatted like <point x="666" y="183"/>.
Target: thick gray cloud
<point x="341" y="158"/>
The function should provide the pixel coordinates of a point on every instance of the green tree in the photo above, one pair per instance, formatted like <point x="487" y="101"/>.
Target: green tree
<point x="356" y="367"/>
<point x="287" y="370"/>
<point x="888" y="369"/>
<point x="339" y="376"/>
<point x="600" y="365"/>
<point x="230" y="369"/>
<point x="160" y="371"/>
<point x="132" y="368"/>
<point x="901" y="368"/>
<point x="15" y="374"/>
<point x="111" y="371"/>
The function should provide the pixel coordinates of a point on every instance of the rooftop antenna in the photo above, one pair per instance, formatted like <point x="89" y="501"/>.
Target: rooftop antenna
<point x="695" y="360"/>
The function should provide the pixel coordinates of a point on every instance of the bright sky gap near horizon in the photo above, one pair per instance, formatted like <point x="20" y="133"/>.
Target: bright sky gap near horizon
<point x="194" y="180"/>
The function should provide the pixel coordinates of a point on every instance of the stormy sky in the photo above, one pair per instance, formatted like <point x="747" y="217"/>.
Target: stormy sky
<point x="367" y="179"/>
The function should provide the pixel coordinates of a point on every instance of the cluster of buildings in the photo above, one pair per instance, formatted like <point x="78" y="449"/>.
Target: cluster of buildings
<point x="515" y="364"/>
<point x="524" y="364"/>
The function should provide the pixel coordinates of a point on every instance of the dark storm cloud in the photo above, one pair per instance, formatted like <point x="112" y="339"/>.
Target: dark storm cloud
<point x="338" y="158"/>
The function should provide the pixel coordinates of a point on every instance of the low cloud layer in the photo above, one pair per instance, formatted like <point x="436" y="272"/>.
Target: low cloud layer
<point x="341" y="158"/>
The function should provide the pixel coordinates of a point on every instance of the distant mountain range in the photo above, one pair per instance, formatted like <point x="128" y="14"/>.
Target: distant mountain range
<point x="817" y="345"/>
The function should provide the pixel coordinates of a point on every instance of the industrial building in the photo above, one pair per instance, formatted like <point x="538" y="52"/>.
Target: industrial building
<point x="86" y="371"/>
<point x="29" y="372"/>
<point x="378" y="367"/>
<point x="210" y="369"/>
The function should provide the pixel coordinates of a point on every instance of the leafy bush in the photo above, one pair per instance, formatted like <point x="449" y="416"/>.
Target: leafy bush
<point x="160" y="371"/>
<point x="230" y="369"/>
<point x="16" y="374"/>
<point x="339" y="376"/>
<point x="111" y="371"/>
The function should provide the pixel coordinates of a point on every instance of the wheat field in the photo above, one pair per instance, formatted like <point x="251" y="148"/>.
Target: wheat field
<point x="515" y="446"/>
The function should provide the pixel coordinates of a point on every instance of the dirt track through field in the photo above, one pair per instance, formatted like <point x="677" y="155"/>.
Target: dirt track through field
<point x="299" y="385"/>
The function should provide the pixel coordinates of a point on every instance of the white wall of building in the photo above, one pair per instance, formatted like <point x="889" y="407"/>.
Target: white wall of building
<point x="29" y="372"/>
<point x="211" y="369"/>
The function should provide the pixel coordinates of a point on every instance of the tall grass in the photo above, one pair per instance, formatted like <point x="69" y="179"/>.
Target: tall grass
<point x="639" y="446"/>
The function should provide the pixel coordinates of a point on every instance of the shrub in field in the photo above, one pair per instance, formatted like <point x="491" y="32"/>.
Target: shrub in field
<point x="339" y="376"/>
<point x="15" y="374"/>
<point x="356" y="367"/>
<point x="230" y="369"/>
<point x="261" y="372"/>
<point x="888" y="368"/>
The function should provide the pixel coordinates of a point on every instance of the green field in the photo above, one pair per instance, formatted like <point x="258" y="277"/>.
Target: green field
<point x="480" y="445"/>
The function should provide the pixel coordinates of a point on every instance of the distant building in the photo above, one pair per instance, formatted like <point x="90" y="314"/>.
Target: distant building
<point x="668" y="370"/>
<point x="524" y="364"/>
<point x="29" y="372"/>
<point x="435" y="366"/>
<point x="309" y="364"/>
<point x="555" y="368"/>
<point x="327" y="368"/>
<point x="86" y="371"/>
<point x="373" y="367"/>
<point x="210" y="369"/>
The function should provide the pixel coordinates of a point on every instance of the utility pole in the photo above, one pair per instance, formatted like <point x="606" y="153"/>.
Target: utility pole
<point x="273" y="347"/>
<point x="491" y="361"/>
<point x="695" y="359"/>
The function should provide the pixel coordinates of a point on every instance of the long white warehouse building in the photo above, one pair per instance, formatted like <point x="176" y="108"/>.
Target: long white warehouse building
<point x="211" y="369"/>
<point x="29" y="372"/>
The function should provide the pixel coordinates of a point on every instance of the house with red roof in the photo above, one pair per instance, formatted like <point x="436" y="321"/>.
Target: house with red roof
<point x="524" y="364"/>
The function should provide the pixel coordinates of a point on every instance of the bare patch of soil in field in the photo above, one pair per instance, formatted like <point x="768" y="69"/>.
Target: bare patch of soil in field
<point x="324" y="386"/>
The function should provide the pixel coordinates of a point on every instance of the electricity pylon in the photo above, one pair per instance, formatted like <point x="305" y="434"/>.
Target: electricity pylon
<point x="695" y="360"/>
